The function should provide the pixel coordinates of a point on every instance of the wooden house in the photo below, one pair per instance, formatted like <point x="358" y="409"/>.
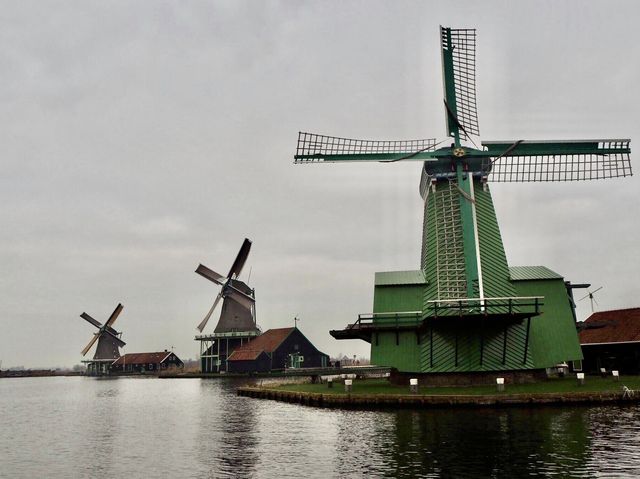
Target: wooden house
<point x="610" y="340"/>
<point x="276" y="349"/>
<point x="152" y="363"/>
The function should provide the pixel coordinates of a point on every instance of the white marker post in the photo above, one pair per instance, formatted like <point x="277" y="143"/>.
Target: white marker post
<point x="580" y="377"/>
<point x="348" y="385"/>
<point x="413" y="385"/>
<point x="500" y="384"/>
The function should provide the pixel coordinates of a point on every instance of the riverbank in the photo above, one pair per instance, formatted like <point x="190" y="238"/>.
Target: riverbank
<point x="380" y="394"/>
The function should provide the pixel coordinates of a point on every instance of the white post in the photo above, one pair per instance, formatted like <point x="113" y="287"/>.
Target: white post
<point x="580" y="377"/>
<point x="500" y="384"/>
<point x="413" y="385"/>
<point x="348" y="385"/>
<point x="616" y="375"/>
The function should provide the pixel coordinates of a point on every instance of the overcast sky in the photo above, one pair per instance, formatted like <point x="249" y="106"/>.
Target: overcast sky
<point x="141" y="138"/>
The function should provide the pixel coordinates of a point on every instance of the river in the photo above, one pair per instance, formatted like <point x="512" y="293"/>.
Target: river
<point x="80" y="427"/>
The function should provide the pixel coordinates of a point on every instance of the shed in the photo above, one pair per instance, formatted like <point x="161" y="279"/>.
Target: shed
<point x="611" y="340"/>
<point x="147" y="362"/>
<point x="276" y="349"/>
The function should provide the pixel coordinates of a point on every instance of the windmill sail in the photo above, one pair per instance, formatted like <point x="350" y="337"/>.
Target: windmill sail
<point x="314" y="148"/>
<point x="557" y="160"/>
<point x="459" y="77"/>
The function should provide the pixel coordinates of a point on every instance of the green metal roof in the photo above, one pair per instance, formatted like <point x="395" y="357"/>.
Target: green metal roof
<point x="393" y="278"/>
<point x="528" y="273"/>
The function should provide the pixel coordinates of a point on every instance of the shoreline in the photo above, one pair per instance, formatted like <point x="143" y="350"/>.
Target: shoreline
<point x="426" y="401"/>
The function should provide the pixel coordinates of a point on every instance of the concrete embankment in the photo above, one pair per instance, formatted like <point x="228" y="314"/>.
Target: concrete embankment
<point x="386" y="401"/>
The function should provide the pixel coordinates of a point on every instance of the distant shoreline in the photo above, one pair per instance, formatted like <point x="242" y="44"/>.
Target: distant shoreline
<point x="38" y="373"/>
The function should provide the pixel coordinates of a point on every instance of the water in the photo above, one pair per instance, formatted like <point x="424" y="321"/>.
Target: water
<point x="181" y="428"/>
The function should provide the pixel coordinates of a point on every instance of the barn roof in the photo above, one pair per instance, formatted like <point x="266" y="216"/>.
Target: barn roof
<point x="267" y="342"/>
<point x="528" y="273"/>
<point x="393" y="278"/>
<point x="143" y="358"/>
<point x="617" y="326"/>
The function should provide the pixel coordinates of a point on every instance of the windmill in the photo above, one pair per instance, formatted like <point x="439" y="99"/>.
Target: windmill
<point x="591" y="297"/>
<point x="237" y="322"/>
<point x="464" y="272"/>
<point x="109" y="343"/>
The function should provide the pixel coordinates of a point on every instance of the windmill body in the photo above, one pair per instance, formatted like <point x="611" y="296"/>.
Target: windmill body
<point x="109" y="344"/>
<point x="465" y="310"/>
<point x="237" y="322"/>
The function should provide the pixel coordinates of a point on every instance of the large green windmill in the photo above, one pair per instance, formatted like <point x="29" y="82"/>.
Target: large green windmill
<point x="465" y="310"/>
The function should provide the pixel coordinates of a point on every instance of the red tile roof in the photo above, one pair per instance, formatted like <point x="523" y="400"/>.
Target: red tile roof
<point x="621" y="325"/>
<point x="143" y="358"/>
<point x="267" y="342"/>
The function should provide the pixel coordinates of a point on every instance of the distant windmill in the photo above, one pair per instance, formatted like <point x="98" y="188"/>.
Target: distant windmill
<point x="108" y="338"/>
<point x="238" y="306"/>
<point x="591" y="297"/>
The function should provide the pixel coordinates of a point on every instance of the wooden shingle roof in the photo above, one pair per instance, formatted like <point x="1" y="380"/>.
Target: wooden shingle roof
<point x="617" y="326"/>
<point x="143" y="358"/>
<point x="267" y="342"/>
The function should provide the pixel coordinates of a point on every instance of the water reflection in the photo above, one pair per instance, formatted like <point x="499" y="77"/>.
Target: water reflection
<point x="81" y="427"/>
<point x="488" y="443"/>
<point x="227" y="432"/>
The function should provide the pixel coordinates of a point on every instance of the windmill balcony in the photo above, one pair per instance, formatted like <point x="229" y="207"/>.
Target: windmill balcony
<point x="516" y="308"/>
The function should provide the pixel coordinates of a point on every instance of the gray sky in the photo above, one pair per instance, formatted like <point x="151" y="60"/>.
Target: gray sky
<point x="141" y="138"/>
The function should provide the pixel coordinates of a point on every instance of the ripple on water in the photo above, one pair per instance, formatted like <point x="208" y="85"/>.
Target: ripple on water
<point x="130" y="427"/>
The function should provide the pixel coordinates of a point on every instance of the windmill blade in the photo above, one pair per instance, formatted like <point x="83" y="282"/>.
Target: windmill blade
<point x="116" y="338"/>
<point x="88" y="346"/>
<point x="313" y="148"/>
<point x="203" y="323"/>
<point x="240" y="297"/>
<point x="88" y="318"/>
<point x="114" y="315"/>
<point x="459" y="79"/>
<point x="210" y="274"/>
<point x="241" y="258"/>
<point x="572" y="160"/>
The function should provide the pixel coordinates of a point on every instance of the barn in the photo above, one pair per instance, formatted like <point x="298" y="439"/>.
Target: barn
<point x="276" y="349"/>
<point x="147" y="362"/>
<point x="611" y="340"/>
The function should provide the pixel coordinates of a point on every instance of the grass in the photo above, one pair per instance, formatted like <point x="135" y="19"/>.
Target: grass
<point x="554" y="385"/>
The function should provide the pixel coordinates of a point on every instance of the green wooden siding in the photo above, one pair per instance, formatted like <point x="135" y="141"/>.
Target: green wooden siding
<point x="403" y="355"/>
<point x="554" y="338"/>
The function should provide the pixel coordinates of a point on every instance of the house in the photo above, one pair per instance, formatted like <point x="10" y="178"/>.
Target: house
<point x="147" y="362"/>
<point x="611" y="340"/>
<point x="276" y="349"/>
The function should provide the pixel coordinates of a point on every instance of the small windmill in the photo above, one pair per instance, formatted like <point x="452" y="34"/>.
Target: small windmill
<point x="463" y="264"/>
<point x="591" y="297"/>
<point x="238" y="305"/>
<point x="109" y="342"/>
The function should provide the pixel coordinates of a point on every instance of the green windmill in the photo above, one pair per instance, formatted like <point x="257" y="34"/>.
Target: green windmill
<point x="465" y="310"/>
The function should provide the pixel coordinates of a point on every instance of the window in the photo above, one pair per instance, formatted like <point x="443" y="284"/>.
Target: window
<point x="577" y="365"/>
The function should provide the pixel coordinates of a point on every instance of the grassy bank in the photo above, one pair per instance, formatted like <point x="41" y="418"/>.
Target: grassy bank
<point x="550" y="386"/>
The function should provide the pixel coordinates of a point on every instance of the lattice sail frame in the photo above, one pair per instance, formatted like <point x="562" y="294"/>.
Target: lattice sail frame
<point x="605" y="159"/>
<point x="463" y="49"/>
<point x="314" y="148"/>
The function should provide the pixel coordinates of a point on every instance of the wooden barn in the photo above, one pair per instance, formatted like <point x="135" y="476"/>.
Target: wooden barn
<point x="276" y="349"/>
<point x="152" y="363"/>
<point x="611" y="340"/>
